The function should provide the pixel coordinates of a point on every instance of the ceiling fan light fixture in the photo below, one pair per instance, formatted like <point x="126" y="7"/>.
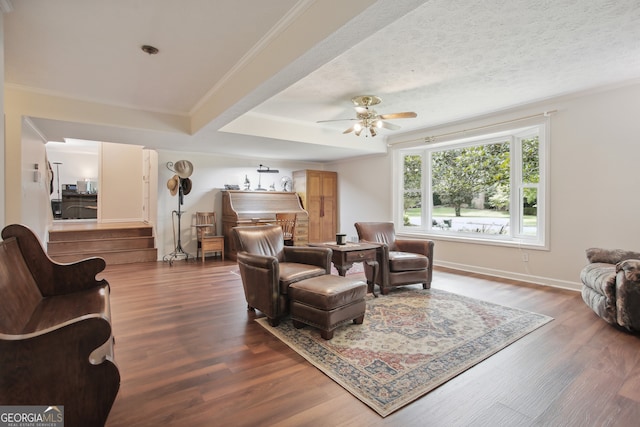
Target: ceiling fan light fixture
<point x="366" y="100"/>
<point x="368" y="119"/>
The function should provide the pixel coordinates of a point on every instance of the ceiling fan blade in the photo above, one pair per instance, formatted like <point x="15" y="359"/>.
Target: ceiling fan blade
<point x="405" y="115"/>
<point x="389" y="126"/>
<point x="351" y="129"/>
<point x="335" y="120"/>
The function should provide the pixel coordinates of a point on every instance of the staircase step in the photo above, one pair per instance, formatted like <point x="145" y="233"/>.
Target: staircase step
<point x="111" y="257"/>
<point x="109" y="244"/>
<point x="116" y="243"/>
<point x="101" y="233"/>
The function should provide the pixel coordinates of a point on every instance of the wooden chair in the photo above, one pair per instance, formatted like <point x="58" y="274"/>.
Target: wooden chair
<point x="287" y="221"/>
<point x="208" y="240"/>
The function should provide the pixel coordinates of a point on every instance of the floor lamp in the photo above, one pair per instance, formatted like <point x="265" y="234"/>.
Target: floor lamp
<point x="183" y="169"/>
<point x="56" y="204"/>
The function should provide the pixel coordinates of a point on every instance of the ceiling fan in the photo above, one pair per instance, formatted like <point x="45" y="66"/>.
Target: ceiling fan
<point x="368" y="120"/>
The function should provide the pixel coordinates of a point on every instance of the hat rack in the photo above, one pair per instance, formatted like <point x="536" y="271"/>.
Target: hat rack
<point x="183" y="169"/>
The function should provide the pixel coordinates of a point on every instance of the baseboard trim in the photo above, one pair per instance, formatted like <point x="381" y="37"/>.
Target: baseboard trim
<point x="538" y="280"/>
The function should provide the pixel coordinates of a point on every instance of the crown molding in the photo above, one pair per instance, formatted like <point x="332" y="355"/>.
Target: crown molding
<point x="285" y="22"/>
<point x="29" y="122"/>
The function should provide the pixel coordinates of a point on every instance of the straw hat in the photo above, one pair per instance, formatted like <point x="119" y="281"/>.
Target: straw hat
<point x="184" y="168"/>
<point x="173" y="184"/>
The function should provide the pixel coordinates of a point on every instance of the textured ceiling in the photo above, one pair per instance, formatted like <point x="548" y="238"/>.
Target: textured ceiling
<point x="453" y="59"/>
<point x="253" y="78"/>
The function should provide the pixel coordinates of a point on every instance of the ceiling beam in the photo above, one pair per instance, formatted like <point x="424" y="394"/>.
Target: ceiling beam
<point x="314" y="22"/>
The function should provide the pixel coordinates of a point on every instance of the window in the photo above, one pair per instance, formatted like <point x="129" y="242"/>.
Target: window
<point x="488" y="188"/>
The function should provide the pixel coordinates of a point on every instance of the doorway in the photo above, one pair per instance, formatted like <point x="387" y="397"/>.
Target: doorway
<point x="75" y="166"/>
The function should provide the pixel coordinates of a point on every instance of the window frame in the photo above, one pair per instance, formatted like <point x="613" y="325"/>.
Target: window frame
<point x="515" y="134"/>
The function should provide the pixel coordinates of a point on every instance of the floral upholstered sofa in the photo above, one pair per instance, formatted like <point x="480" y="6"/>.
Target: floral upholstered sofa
<point x="611" y="286"/>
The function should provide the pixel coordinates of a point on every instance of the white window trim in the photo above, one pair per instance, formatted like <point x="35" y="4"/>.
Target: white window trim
<point x="515" y="240"/>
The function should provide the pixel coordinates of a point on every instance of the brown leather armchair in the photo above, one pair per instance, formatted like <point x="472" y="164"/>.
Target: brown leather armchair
<point x="401" y="262"/>
<point x="268" y="267"/>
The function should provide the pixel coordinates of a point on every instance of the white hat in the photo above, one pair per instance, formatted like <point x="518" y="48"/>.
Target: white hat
<point x="184" y="168"/>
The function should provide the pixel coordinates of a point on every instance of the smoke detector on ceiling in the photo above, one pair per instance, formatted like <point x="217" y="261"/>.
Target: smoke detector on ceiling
<point x="149" y="49"/>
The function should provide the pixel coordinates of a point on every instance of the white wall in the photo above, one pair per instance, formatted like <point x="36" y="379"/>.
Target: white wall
<point x="595" y="144"/>
<point x="150" y="186"/>
<point x="371" y="174"/>
<point x="210" y="174"/>
<point x="2" y="132"/>
<point x="121" y="183"/>
<point x="36" y="205"/>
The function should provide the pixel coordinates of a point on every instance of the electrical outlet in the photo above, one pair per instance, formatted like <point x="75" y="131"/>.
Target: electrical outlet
<point x="525" y="257"/>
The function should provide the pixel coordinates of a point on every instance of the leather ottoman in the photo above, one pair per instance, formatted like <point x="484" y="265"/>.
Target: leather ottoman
<point x="327" y="302"/>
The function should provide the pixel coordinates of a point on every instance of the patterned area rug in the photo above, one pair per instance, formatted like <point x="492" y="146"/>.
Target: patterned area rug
<point x="412" y="341"/>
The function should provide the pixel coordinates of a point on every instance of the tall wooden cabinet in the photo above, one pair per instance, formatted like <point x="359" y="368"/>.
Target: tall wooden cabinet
<point x="318" y="191"/>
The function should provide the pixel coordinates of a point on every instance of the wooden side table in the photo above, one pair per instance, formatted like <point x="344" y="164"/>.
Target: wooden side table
<point x="210" y="243"/>
<point x="345" y="255"/>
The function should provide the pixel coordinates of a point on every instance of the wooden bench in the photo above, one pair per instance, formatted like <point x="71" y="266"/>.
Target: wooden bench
<point x="56" y="345"/>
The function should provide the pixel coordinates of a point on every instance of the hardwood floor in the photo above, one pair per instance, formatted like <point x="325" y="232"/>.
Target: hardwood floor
<point x="190" y="354"/>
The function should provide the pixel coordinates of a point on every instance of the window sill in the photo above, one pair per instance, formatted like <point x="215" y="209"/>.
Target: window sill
<point x="514" y="243"/>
